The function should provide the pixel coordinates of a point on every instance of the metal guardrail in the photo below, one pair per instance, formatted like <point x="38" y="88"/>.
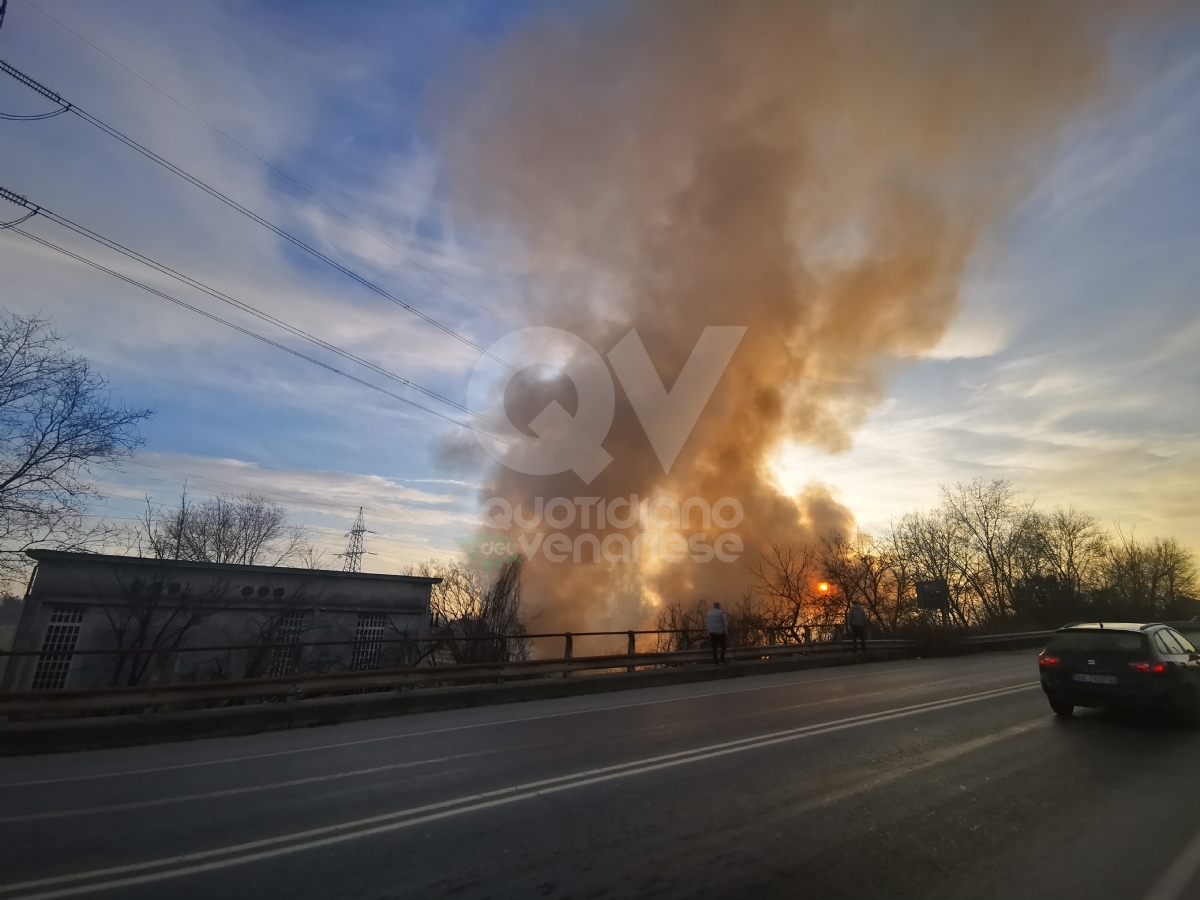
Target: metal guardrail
<point x="980" y="640"/>
<point x="149" y="698"/>
<point x="152" y="698"/>
<point x="568" y="638"/>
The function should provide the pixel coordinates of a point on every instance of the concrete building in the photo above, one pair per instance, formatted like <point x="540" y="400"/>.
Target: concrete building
<point x="93" y="621"/>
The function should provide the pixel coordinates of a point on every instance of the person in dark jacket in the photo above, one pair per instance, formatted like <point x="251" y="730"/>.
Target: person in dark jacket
<point x="856" y="618"/>
<point x="718" y="632"/>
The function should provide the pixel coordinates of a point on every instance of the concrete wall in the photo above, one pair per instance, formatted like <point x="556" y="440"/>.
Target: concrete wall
<point x="126" y="604"/>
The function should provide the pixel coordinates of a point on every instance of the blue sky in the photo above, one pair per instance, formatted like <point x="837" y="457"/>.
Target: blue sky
<point x="1072" y="369"/>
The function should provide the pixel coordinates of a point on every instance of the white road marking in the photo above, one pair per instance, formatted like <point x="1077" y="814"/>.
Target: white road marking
<point x="1174" y="881"/>
<point x="395" y="737"/>
<point x="936" y="758"/>
<point x="907" y="689"/>
<point x="251" y="851"/>
<point x="229" y="792"/>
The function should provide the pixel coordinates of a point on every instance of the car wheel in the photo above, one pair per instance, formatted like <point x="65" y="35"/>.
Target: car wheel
<point x="1062" y="709"/>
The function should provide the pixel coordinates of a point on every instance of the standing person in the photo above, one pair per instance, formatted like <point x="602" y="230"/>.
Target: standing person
<point x="718" y="632"/>
<point x="856" y="618"/>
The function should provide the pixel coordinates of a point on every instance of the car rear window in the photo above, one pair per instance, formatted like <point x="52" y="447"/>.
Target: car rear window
<point x="1097" y="642"/>
<point x="1187" y="640"/>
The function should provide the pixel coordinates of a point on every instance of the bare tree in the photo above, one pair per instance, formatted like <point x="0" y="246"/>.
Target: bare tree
<point x="873" y="575"/>
<point x="247" y="529"/>
<point x="996" y="523"/>
<point x="1072" y="546"/>
<point x="156" y="613"/>
<point x="784" y="576"/>
<point x="477" y="616"/>
<point x="1148" y="579"/>
<point x="902" y="572"/>
<point x="937" y="548"/>
<point x="754" y="620"/>
<point x="56" y="421"/>
<point x="1005" y="560"/>
<point x="683" y="624"/>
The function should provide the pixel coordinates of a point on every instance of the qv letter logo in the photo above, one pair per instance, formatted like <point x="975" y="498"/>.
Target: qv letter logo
<point x="565" y="442"/>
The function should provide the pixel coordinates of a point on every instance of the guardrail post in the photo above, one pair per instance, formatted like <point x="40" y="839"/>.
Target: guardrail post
<point x="568" y="651"/>
<point x="632" y="651"/>
<point x="687" y="642"/>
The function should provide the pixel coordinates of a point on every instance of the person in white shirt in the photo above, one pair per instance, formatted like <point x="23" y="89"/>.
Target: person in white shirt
<point x="718" y="632"/>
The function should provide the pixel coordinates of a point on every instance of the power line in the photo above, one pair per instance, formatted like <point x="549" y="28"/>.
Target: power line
<point x="248" y="487"/>
<point x="109" y="518"/>
<point x="432" y="531"/>
<point x="240" y="484"/>
<point x="269" y="165"/>
<point x="50" y="115"/>
<point x="234" y="326"/>
<point x="329" y="532"/>
<point x="83" y="231"/>
<point x="39" y="88"/>
<point x="24" y="218"/>
<point x="429" y="530"/>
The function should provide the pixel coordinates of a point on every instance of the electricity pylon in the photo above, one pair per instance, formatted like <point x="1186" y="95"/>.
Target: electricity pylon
<point x="355" y="551"/>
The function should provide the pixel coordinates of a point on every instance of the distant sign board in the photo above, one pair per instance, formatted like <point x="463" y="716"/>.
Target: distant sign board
<point x="933" y="594"/>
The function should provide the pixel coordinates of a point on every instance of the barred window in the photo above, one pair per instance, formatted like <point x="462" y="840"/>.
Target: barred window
<point x="291" y="626"/>
<point x="58" y="649"/>
<point x="368" y="641"/>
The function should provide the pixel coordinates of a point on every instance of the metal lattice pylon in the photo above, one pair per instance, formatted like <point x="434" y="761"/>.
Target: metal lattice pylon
<point x="355" y="550"/>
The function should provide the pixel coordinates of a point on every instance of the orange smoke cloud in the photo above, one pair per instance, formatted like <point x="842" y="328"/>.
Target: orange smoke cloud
<point x="818" y="172"/>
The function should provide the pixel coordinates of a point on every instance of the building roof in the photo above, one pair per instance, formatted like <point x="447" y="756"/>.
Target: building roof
<point x="69" y="556"/>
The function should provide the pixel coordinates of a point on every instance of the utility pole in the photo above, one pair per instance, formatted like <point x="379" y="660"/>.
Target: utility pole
<point x="354" y="552"/>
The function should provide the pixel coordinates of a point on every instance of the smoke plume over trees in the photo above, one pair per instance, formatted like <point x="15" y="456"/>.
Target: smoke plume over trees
<point x="470" y="607"/>
<point x="820" y="173"/>
<point x="1008" y="565"/>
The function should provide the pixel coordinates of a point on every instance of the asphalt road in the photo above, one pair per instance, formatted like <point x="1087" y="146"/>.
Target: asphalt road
<point x="942" y="778"/>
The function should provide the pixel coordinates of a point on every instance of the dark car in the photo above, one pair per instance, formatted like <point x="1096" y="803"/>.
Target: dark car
<point x="1121" y="664"/>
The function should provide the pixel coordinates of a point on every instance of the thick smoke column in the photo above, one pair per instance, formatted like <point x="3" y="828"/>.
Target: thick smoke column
<point x="818" y="172"/>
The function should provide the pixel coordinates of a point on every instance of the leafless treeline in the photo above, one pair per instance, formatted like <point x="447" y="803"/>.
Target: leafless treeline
<point x="469" y="608"/>
<point x="1007" y="564"/>
<point x="57" y="421"/>
<point x="247" y="529"/>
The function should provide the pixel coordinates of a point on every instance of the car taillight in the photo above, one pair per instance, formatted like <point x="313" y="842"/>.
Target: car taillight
<point x="1156" y="668"/>
<point x="1044" y="660"/>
